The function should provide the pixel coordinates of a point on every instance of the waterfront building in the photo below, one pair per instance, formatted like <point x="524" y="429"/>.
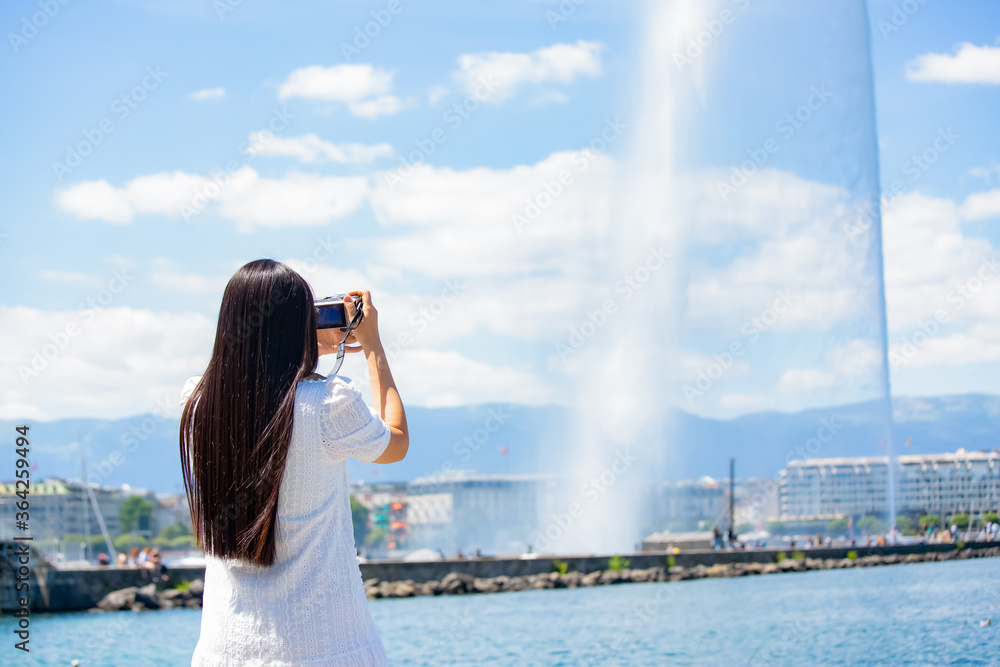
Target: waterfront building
<point x="59" y="507"/>
<point x="388" y="506"/>
<point x="464" y="510"/>
<point x="943" y="484"/>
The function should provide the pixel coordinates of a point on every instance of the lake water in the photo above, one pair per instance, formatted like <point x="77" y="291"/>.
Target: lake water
<point x="919" y="614"/>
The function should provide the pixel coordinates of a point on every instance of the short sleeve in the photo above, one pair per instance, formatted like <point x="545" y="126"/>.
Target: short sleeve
<point x="349" y="427"/>
<point x="189" y="386"/>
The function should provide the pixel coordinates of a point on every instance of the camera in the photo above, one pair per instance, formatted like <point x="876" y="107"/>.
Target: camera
<point x="331" y="313"/>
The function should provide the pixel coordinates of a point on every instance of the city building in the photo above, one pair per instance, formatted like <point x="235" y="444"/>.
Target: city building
<point x="943" y="484"/>
<point x="59" y="507"/>
<point x="387" y="504"/>
<point x="467" y="511"/>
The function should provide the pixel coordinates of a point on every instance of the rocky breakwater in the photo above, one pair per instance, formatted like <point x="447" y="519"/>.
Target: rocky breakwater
<point x="459" y="583"/>
<point x="135" y="598"/>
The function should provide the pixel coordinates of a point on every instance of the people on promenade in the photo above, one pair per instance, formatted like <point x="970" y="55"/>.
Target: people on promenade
<point x="122" y="559"/>
<point x="716" y="538"/>
<point x="156" y="567"/>
<point x="143" y="559"/>
<point x="132" y="556"/>
<point x="264" y="443"/>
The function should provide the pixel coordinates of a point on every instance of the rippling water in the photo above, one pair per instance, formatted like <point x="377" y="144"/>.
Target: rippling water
<point x="918" y="614"/>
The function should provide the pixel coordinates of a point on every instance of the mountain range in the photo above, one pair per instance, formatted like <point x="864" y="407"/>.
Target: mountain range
<point x="143" y="450"/>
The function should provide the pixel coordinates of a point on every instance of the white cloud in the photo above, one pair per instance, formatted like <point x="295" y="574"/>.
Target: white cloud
<point x="927" y="256"/>
<point x="120" y="363"/>
<point x="969" y="64"/>
<point x="384" y="105"/>
<point x="979" y="344"/>
<point x="559" y="63"/>
<point x="248" y="199"/>
<point x="208" y="94"/>
<point x="191" y="283"/>
<point x="364" y="88"/>
<point x="436" y="94"/>
<point x="982" y="205"/>
<point x="446" y="378"/>
<point x="310" y="148"/>
<point x="70" y="278"/>
<point x="338" y="83"/>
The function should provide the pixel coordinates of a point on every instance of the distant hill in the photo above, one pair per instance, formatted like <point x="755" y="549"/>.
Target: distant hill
<point x="143" y="450"/>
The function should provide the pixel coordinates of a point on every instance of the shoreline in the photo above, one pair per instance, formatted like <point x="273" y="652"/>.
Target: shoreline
<point x="458" y="583"/>
<point x="149" y="597"/>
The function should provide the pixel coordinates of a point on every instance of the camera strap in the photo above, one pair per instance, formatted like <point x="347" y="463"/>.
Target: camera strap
<point x="341" y="349"/>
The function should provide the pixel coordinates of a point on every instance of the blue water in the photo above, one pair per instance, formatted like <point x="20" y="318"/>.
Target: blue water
<point x="918" y="614"/>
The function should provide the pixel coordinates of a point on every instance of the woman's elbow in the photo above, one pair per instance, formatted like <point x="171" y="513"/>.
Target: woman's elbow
<point x="399" y="444"/>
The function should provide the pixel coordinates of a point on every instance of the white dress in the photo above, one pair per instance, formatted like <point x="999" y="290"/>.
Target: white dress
<point x="309" y="608"/>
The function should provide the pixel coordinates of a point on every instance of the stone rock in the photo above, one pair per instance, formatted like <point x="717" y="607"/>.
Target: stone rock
<point x="609" y="578"/>
<point x="485" y="586"/>
<point x="197" y="588"/>
<point x="432" y="587"/>
<point x="401" y="589"/>
<point x="591" y="578"/>
<point x="171" y="594"/>
<point x="118" y="600"/>
<point x="456" y="583"/>
<point x="572" y="580"/>
<point x="146" y="596"/>
<point x="193" y="603"/>
<point x="517" y="584"/>
<point x="717" y="570"/>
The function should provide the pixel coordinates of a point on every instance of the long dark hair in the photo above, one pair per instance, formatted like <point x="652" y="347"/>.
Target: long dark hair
<point x="237" y="423"/>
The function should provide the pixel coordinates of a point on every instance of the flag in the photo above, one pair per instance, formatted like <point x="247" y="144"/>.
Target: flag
<point x="909" y="442"/>
<point x="503" y="450"/>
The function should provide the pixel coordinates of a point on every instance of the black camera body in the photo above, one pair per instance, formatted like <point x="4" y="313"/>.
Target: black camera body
<point x="331" y="313"/>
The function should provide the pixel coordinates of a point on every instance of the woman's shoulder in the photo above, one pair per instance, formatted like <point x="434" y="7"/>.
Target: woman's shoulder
<point x="331" y="390"/>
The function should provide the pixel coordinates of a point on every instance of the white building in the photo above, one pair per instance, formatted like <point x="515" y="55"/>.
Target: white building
<point x="59" y="507"/>
<point x="943" y="484"/>
<point x="463" y="510"/>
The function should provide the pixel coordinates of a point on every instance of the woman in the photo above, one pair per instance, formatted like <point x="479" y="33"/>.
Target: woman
<point x="264" y="442"/>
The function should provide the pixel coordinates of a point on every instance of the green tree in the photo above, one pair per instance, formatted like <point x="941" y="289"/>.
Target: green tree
<point x="171" y="532"/>
<point x="128" y="541"/>
<point x="375" y="538"/>
<point x="616" y="563"/>
<point x="135" y="513"/>
<point x="961" y="520"/>
<point x="837" y="526"/>
<point x="776" y="527"/>
<point x="359" y="518"/>
<point x="871" y="525"/>
<point x="929" y="521"/>
<point x="906" y="525"/>
<point x="991" y="517"/>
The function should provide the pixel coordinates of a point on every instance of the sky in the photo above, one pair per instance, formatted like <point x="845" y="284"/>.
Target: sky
<point x="155" y="146"/>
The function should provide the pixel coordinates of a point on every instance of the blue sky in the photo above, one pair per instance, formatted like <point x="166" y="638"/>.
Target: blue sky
<point x="446" y="264"/>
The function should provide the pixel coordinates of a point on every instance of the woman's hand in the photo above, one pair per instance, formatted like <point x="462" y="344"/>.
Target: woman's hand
<point x="366" y="335"/>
